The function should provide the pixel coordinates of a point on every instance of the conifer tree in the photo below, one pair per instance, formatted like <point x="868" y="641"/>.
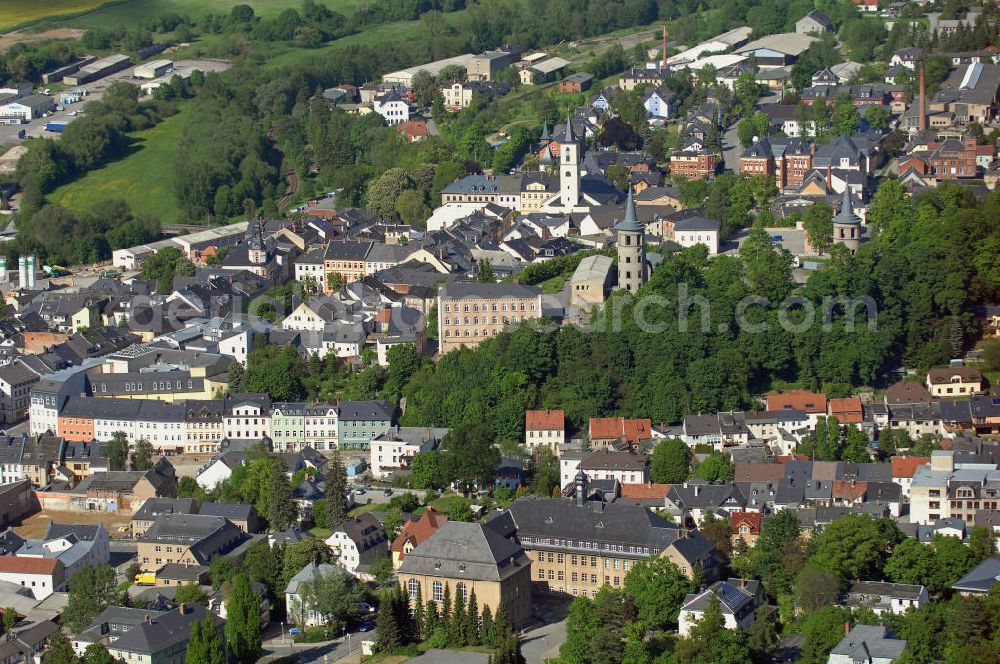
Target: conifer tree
<point x="456" y="623"/>
<point x="487" y="629"/>
<point x="407" y="626"/>
<point x="509" y="651"/>
<point x="501" y="624"/>
<point x="445" y="608"/>
<point x="431" y="620"/>
<point x="418" y="614"/>
<point x="243" y="622"/>
<point x="389" y="637"/>
<point x="205" y="646"/>
<point x="472" y="635"/>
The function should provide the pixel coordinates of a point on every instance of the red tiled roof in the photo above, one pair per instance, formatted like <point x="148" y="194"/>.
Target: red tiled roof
<point x="419" y="530"/>
<point x="544" y="420"/>
<point x="906" y="466"/>
<point x="24" y="565"/>
<point x="847" y="411"/>
<point x="850" y="490"/>
<point x="414" y="129"/>
<point x="785" y="458"/>
<point x="644" y="491"/>
<point x="810" y="402"/>
<point x="751" y="519"/>
<point x="633" y="431"/>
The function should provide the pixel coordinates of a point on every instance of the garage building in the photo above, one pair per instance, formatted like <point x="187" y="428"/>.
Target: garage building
<point x="153" y="69"/>
<point x="26" y="109"/>
<point x="98" y="69"/>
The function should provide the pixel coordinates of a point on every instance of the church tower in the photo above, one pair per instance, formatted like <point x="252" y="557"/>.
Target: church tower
<point x="847" y="224"/>
<point x="256" y="249"/>
<point x="569" y="168"/>
<point x="631" y="249"/>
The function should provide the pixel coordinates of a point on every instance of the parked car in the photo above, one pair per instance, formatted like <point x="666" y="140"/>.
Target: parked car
<point x="360" y="491"/>
<point x="366" y="626"/>
<point x="295" y="631"/>
<point x="387" y="492"/>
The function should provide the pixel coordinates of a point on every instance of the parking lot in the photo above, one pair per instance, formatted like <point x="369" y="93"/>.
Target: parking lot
<point x="95" y="90"/>
<point x="791" y="239"/>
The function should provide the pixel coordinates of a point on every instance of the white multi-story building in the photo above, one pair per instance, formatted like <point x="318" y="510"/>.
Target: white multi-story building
<point x="396" y="448"/>
<point x="247" y="417"/>
<point x="545" y="428"/>
<point x="320" y="426"/>
<point x="393" y="107"/>
<point x="358" y="542"/>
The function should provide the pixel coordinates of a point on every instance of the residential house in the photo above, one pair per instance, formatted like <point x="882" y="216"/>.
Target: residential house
<point x="160" y="638"/>
<point x="694" y="161"/>
<point x="882" y="597"/>
<point x="545" y="428"/>
<point x="625" y="467"/>
<point x="738" y="600"/>
<point x="612" y="432"/>
<point x="907" y="392"/>
<point x="470" y="558"/>
<point x="42" y="576"/>
<point x="692" y="231"/>
<point x="394" y="450"/>
<point x="343" y="263"/>
<point x="980" y="579"/>
<point x="867" y="643"/>
<point x="27" y="644"/>
<point x="242" y="516"/>
<point x="296" y="597"/>
<point x="75" y="545"/>
<point x="393" y="107"/>
<point x="904" y="468"/>
<point x="414" y="532"/>
<point x="153" y="508"/>
<point x="16" y="380"/>
<point x="660" y="103"/>
<point x="954" y="381"/>
<point x="358" y="542"/>
<point x="579" y="82"/>
<point x="745" y="526"/>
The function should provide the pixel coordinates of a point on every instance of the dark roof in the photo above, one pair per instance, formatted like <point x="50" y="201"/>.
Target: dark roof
<point x="231" y="511"/>
<point x="163" y="631"/>
<point x="154" y="507"/>
<point x="981" y="578"/>
<point x="466" y="550"/>
<point x="489" y="291"/>
<point x="83" y="532"/>
<point x="613" y="522"/>
<point x="376" y="410"/>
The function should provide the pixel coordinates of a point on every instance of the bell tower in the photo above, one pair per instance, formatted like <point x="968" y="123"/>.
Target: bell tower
<point x="631" y="249"/>
<point x="569" y="168"/>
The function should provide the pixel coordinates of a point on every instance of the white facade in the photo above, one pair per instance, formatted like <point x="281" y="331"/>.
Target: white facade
<point x="348" y="555"/>
<point x="165" y="434"/>
<point x="395" y="111"/>
<point x="247" y="422"/>
<point x="389" y="454"/>
<point x="11" y="472"/>
<point x="551" y="438"/>
<point x="213" y="474"/>
<point x="690" y="238"/>
<point x="303" y="318"/>
<point x="40" y="585"/>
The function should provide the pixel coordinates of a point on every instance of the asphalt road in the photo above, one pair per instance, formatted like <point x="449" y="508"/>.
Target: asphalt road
<point x="731" y="148"/>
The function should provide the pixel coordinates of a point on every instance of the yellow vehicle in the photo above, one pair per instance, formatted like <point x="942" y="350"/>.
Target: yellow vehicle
<point x="145" y="579"/>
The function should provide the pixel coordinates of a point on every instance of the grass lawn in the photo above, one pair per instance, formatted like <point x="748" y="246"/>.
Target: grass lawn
<point x="321" y="533"/>
<point x="132" y="12"/>
<point x="145" y="178"/>
<point x="555" y="284"/>
<point x="14" y="13"/>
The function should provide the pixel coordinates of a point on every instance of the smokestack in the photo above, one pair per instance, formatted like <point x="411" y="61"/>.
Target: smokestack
<point x="664" y="67"/>
<point x="847" y="628"/>
<point x="22" y="272"/>
<point x="922" y="123"/>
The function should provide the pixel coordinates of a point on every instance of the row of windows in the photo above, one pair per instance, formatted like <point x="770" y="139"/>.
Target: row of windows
<point x="486" y="320"/>
<point x="437" y="590"/>
<point x="501" y="307"/>
<point x="458" y="333"/>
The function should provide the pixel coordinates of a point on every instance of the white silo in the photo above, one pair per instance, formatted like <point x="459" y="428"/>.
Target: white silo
<point x="31" y="271"/>
<point x="22" y="272"/>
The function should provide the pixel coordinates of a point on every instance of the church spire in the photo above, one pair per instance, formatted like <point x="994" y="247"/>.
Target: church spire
<point x="631" y="223"/>
<point x="569" y="138"/>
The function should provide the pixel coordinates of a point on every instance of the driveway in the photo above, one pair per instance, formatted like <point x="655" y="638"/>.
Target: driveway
<point x="731" y="148"/>
<point x="541" y="639"/>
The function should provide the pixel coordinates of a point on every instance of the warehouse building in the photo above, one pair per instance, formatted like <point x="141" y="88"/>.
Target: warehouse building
<point x="26" y="109"/>
<point x="191" y="245"/>
<point x="98" y="69"/>
<point x="57" y="75"/>
<point x="153" y="69"/>
<point x="405" y="76"/>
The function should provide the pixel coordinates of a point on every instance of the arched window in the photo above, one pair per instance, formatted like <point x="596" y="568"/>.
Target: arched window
<point x="413" y="587"/>
<point x="438" y="592"/>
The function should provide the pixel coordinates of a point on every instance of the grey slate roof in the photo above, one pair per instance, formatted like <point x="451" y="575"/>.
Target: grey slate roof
<point x="164" y="631"/>
<point x="617" y="523"/>
<point x="231" y="511"/>
<point x="867" y="642"/>
<point x="489" y="291"/>
<point x="884" y="589"/>
<point x="981" y="578"/>
<point x="310" y="573"/>
<point x="466" y="551"/>
<point x="732" y="599"/>
<point x="154" y="507"/>
<point x="373" y="410"/>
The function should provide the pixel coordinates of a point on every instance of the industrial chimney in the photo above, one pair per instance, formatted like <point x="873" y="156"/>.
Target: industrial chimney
<point x="664" y="66"/>
<point x="922" y="124"/>
<point x="22" y="272"/>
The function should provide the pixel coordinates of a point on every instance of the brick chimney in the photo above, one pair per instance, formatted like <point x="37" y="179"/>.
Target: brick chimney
<point x="664" y="46"/>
